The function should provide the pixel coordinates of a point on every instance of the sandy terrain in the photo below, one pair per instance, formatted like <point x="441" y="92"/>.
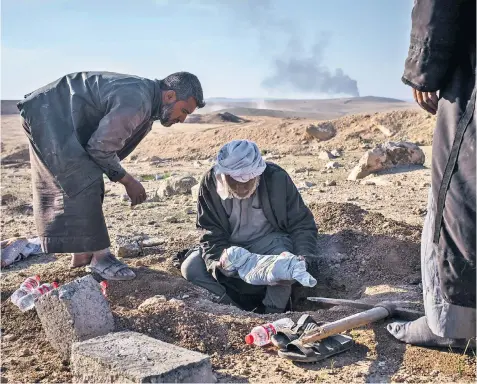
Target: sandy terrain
<point x="369" y="248"/>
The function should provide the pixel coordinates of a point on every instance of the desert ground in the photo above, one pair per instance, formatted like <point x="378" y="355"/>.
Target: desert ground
<point x="369" y="241"/>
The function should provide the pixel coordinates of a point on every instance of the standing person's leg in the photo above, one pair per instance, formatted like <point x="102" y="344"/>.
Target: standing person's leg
<point x="73" y="224"/>
<point x="444" y="324"/>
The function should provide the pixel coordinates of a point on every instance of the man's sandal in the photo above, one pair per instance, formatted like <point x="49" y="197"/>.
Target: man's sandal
<point x="108" y="267"/>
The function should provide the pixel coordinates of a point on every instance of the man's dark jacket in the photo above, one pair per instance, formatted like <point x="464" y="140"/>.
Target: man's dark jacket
<point x="83" y="124"/>
<point x="442" y="58"/>
<point x="282" y="205"/>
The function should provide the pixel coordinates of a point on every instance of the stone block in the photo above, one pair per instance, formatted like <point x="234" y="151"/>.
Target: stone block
<point x="75" y="311"/>
<point x="131" y="357"/>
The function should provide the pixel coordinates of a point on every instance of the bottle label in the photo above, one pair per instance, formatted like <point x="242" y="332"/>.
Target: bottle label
<point x="270" y="329"/>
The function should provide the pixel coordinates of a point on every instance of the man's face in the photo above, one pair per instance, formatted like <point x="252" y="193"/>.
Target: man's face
<point x="175" y="111"/>
<point x="241" y="190"/>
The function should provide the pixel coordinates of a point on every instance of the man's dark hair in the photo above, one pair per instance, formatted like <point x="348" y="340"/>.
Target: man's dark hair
<point x="185" y="85"/>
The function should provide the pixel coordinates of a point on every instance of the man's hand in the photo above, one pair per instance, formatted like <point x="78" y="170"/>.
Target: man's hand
<point x="427" y="100"/>
<point x="134" y="189"/>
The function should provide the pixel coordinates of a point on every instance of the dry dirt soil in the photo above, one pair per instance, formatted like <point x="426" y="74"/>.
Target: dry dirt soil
<point x="368" y="249"/>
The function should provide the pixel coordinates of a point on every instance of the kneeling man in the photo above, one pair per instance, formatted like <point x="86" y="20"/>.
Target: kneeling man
<point x="246" y="202"/>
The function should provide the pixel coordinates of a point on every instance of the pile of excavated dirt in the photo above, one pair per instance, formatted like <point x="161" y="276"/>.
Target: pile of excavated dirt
<point x="288" y="135"/>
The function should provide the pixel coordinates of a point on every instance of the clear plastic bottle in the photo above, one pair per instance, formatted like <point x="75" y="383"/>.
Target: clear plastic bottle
<point x="30" y="284"/>
<point x="261" y="334"/>
<point x="28" y="302"/>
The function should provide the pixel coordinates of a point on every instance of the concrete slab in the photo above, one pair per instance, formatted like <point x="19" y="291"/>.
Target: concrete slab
<point x="75" y="311"/>
<point x="131" y="357"/>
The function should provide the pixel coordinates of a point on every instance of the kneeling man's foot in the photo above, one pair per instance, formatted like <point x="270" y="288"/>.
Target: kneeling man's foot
<point x="418" y="333"/>
<point x="110" y="268"/>
<point x="80" y="259"/>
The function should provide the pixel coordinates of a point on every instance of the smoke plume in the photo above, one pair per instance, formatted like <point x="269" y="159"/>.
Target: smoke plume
<point x="305" y="72"/>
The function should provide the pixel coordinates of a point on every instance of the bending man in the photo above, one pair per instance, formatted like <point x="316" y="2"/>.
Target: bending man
<point x="79" y="128"/>
<point x="246" y="202"/>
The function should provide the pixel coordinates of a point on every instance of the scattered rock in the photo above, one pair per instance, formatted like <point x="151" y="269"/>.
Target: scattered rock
<point x="8" y="199"/>
<point x="425" y="185"/>
<point x="25" y="352"/>
<point x="385" y="131"/>
<point x="9" y="337"/>
<point x="126" y="247"/>
<point x="368" y="182"/>
<point x="159" y="177"/>
<point x="325" y="155"/>
<point x="397" y="183"/>
<point x="336" y="153"/>
<point x="366" y="146"/>
<point x="309" y="184"/>
<point x="321" y="131"/>
<point x="387" y="156"/>
<point x="176" y="301"/>
<point x="152" y="242"/>
<point x="333" y="165"/>
<point x="152" y="301"/>
<point x="189" y="211"/>
<point x="171" y="219"/>
<point x="329" y="183"/>
<point x="300" y="170"/>
<point x="197" y="164"/>
<point x="177" y="186"/>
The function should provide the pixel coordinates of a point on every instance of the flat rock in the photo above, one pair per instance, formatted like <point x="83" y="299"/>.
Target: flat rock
<point x="325" y="155"/>
<point x="177" y="186"/>
<point x="333" y="165"/>
<point x="152" y="242"/>
<point x="321" y="131"/>
<point x="127" y="247"/>
<point x="131" y="357"/>
<point x="387" y="156"/>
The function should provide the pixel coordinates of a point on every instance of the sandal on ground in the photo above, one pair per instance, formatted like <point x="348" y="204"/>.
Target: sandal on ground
<point x="83" y="261"/>
<point x="314" y="352"/>
<point x="285" y="336"/>
<point x="108" y="267"/>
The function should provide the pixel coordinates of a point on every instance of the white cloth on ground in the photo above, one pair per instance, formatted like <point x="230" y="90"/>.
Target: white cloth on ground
<point x="265" y="269"/>
<point x="15" y="249"/>
<point x="241" y="160"/>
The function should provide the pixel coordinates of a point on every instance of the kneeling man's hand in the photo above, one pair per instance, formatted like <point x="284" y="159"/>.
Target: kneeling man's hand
<point x="134" y="189"/>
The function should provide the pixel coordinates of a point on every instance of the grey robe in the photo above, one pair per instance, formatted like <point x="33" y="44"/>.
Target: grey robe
<point x="80" y="127"/>
<point x="442" y="58"/>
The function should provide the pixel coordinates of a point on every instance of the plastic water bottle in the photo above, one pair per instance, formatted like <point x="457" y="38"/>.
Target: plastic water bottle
<point x="28" y="302"/>
<point x="261" y="334"/>
<point x="30" y="284"/>
<point x="104" y="286"/>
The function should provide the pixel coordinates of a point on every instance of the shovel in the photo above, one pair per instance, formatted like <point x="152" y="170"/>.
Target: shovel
<point x="373" y="313"/>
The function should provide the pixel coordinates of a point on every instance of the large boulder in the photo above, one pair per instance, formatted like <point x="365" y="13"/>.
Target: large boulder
<point x="178" y="185"/>
<point x="386" y="156"/>
<point x="321" y="131"/>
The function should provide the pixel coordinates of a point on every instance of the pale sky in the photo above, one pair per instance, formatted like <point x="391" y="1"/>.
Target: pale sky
<point x="237" y="48"/>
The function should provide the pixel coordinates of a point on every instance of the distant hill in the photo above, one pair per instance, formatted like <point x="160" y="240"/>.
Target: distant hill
<point x="9" y="107"/>
<point x="283" y="108"/>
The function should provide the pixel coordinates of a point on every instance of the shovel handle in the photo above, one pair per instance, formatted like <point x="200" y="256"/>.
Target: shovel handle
<point x="350" y="322"/>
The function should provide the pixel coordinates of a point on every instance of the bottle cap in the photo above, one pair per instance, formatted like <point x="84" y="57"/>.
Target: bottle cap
<point x="54" y="284"/>
<point x="249" y="339"/>
<point x="37" y="278"/>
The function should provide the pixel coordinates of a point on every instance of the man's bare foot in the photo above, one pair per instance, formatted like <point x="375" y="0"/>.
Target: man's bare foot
<point x="80" y="259"/>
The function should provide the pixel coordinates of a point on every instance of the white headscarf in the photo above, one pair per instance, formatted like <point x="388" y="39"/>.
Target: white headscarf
<point x="241" y="160"/>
